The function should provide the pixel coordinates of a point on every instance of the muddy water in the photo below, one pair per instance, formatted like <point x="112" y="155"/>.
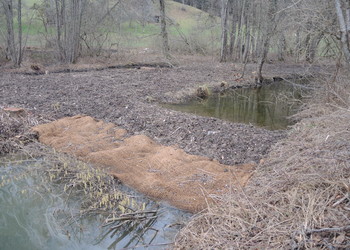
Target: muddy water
<point x="35" y="218"/>
<point x="268" y="106"/>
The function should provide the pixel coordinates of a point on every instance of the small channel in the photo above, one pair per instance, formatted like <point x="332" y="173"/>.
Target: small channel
<point x="33" y="215"/>
<point x="268" y="106"/>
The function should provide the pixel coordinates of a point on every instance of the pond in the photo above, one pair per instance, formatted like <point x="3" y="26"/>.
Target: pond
<point x="268" y="106"/>
<point x="35" y="215"/>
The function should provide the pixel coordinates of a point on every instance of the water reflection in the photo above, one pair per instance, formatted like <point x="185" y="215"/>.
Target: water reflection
<point x="34" y="215"/>
<point x="267" y="106"/>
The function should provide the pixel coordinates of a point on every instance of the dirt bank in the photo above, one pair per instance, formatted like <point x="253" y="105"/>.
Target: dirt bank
<point x="129" y="98"/>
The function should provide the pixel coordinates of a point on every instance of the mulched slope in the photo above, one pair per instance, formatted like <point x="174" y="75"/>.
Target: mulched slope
<point x="122" y="96"/>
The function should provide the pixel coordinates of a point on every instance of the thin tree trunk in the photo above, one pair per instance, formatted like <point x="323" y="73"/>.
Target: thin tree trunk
<point x="10" y="37"/>
<point x="344" y="36"/>
<point x="59" y="29"/>
<point x="297" y="45"/>
<point x="19" y="48"/>
<point x="281" y="47"/>
<point x="261" y="61"/>
<point x="311" y="48"/>
<point x="233" y="33"/>
<point x="243" y="31"/>
<point x="224" y="31"/>
<point x="270" y="30"/>
<point x="258" y="35"/>
<point x="68" y="25"/>
<point x="247" y="45"/>
<point x="164" y="33"/>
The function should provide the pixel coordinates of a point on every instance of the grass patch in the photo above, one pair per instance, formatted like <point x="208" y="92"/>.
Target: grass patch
<point x="187" y="27"/>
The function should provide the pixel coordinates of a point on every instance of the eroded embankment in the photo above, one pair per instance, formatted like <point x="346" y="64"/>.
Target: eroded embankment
<point x="161" y="172"/>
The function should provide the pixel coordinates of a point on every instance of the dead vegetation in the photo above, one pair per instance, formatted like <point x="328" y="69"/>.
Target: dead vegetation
<point x="299" y="197"/>
<point x="15" y="129"/>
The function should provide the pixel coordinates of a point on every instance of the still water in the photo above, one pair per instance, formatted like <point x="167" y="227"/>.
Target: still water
<point x="33" y="217"/>
<point x="268" y="106"/>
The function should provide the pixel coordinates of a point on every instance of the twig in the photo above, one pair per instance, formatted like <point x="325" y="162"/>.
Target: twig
<point x="148" y="245"/>
<point x="141" y="212"/>
<point x="175" y="130"/>
<point x="333" y="230"/>
<point x="129" y="218"/>
<point x="340" y="200"/>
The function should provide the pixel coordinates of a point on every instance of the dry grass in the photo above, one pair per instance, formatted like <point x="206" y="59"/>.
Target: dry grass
<point x="299" y="198"/>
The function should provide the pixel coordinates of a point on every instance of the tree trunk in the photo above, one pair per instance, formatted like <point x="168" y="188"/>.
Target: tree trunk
<point x="19" y="48"/>
<point x="164" y="33"/>
<point x="259" y="78"/>
<point x="281" y="47"/>
<point x="258" y="34"/>
<point x="233" y="34"/>
<point x="269" y="31"/>
<point x="14" y="51"/>
<point x="68" y="24"/>
<point x="344" y="35"/>
<point x="10" y="37"/>
<point x="59" y="16"/>
<point x="297" y="45"/>
<point x="247" y="46"/>
<point x="224" y="30"/>
<point x="311" y="47"/>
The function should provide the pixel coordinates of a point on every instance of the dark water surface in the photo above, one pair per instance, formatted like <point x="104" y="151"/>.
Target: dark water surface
<point x="31" y="218"/>
<point x="268" y="106"/>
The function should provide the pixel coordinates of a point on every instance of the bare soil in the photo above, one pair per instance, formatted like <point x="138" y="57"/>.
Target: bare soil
<point x="130" y="97"/>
